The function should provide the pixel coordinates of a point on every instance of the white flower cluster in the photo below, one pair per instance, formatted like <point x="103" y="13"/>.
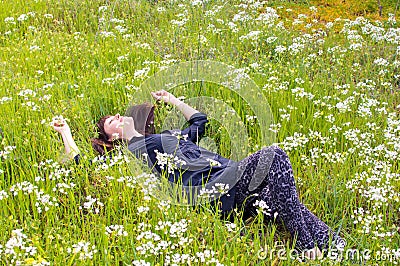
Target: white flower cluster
<point x="301" y="93"/>
<point x="236" y="78"/>
<point x="63" y="187"/>
<point x="107" y="20"/>
<point x="10" y="20"/>
<point x="262" y="207"/>
<point x="214" y="10"/>
<point x="213" y="162"/>
<point x="370" y="223"/>
<point x="141" y="73"/>
<point x="297" y="46"/>
<point x="284" y="115"/>
<point x="25" y="186"/>
<point x="182" y="19"/>
<point x="142" y="209"/>
<point x="275" y="85"/>
<point x="142" y="45"/>
<point x="364" y="109"/>
<point x="293" y="142"/>
<point x="92" y="205"/>
<point x="6" y="152"/>
<point x="148" y="182"/>
<point x="47" y="164"/>
<point x="17" y="250"/>
<point x="168" y="162"/>
<point x="231" y="227"/>
<point x="176" y="229"/>
<point x="44" y="201"/>
<point x="280" y="49"/>
<point x="115" y="230"/>
<point x="105" y="163"/>
<point x="381" y="62"/>
<point x="120" y="29"/>
<point x="378" y="33"/>
<point x="59" y="173"/>
<point x="103" y="8"/>
<point x="379" y="191"/>
<point x="205" y="257"/>
<point x="179" y="136"/>
<point x="3" y="195"/>
<point x="164" y="205"/>
<point x="112" y="80"/>
<point x="345" y="106"/>
<point x="268" y="17"/>
<point x="85" y="250"/>
<point x="197" y="2"/>
<point x="140" y="263"/>
<point x="215" y="191"/>
<point x="5" y="99"/>
<point x="130" y="181"/>
<point x="153" y="244"/>
<point x="252" y="36"/>
<point x="31" y="99"/>
<point x="178" y="259"/>
<point x="275" y="127"/>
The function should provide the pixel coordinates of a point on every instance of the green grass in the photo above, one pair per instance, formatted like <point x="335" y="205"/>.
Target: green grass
<point x="89" y="78"/>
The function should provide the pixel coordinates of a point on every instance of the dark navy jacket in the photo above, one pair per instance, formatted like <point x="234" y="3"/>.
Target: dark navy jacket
<point x="198" y="170"/>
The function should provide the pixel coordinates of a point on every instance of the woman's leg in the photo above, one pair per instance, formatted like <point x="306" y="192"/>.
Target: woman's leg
<point x="321" y="233"/>
<point x="278" y="191"/>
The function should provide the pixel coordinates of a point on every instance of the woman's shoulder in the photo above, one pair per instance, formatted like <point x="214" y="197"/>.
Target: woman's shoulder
<point x="142" y="140"/>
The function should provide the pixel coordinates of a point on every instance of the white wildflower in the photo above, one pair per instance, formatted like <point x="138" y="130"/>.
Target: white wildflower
<point x="84" y="249"/>
<point x="213" y="162"/>
<point x="92" y="205"/>
<point x="115" y="230"/>
<point x="262" y="207"/>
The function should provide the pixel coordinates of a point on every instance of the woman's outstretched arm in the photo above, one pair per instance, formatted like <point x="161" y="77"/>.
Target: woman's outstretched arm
<point x="167" y="97"/>
<point x="71" y="149"/>
<point x="196" y="119"/>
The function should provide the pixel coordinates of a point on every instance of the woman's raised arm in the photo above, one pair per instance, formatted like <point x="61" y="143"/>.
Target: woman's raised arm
<point x="196" y="119"/>
<point x="61" y="126"/>
<point x="167" y="97"/>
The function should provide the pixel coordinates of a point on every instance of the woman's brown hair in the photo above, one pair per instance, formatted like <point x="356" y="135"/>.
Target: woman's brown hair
<point x="143" y="119"/>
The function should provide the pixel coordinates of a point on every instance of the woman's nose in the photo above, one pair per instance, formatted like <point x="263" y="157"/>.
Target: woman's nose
<point x="117" y="116"/>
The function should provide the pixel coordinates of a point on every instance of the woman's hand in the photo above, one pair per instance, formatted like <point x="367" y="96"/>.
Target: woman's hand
<point x="165" y="96"/>
<point x="60" y="125"/>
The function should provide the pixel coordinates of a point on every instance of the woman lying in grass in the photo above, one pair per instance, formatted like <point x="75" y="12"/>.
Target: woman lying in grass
<point x="264" y="180"/>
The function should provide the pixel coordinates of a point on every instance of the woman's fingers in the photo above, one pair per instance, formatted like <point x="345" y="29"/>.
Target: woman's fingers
<point x="158" y="95"/>
<point x="164" y="96"/>
<point x="60" y="126"/>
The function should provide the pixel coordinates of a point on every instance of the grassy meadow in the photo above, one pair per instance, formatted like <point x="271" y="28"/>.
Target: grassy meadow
<point x="329" y="73"/>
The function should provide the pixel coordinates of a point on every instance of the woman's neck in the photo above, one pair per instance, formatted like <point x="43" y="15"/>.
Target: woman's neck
<point x="133" y="133"/>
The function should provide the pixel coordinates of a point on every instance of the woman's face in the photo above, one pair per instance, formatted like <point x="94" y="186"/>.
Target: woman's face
<point x="115" y="125"/>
